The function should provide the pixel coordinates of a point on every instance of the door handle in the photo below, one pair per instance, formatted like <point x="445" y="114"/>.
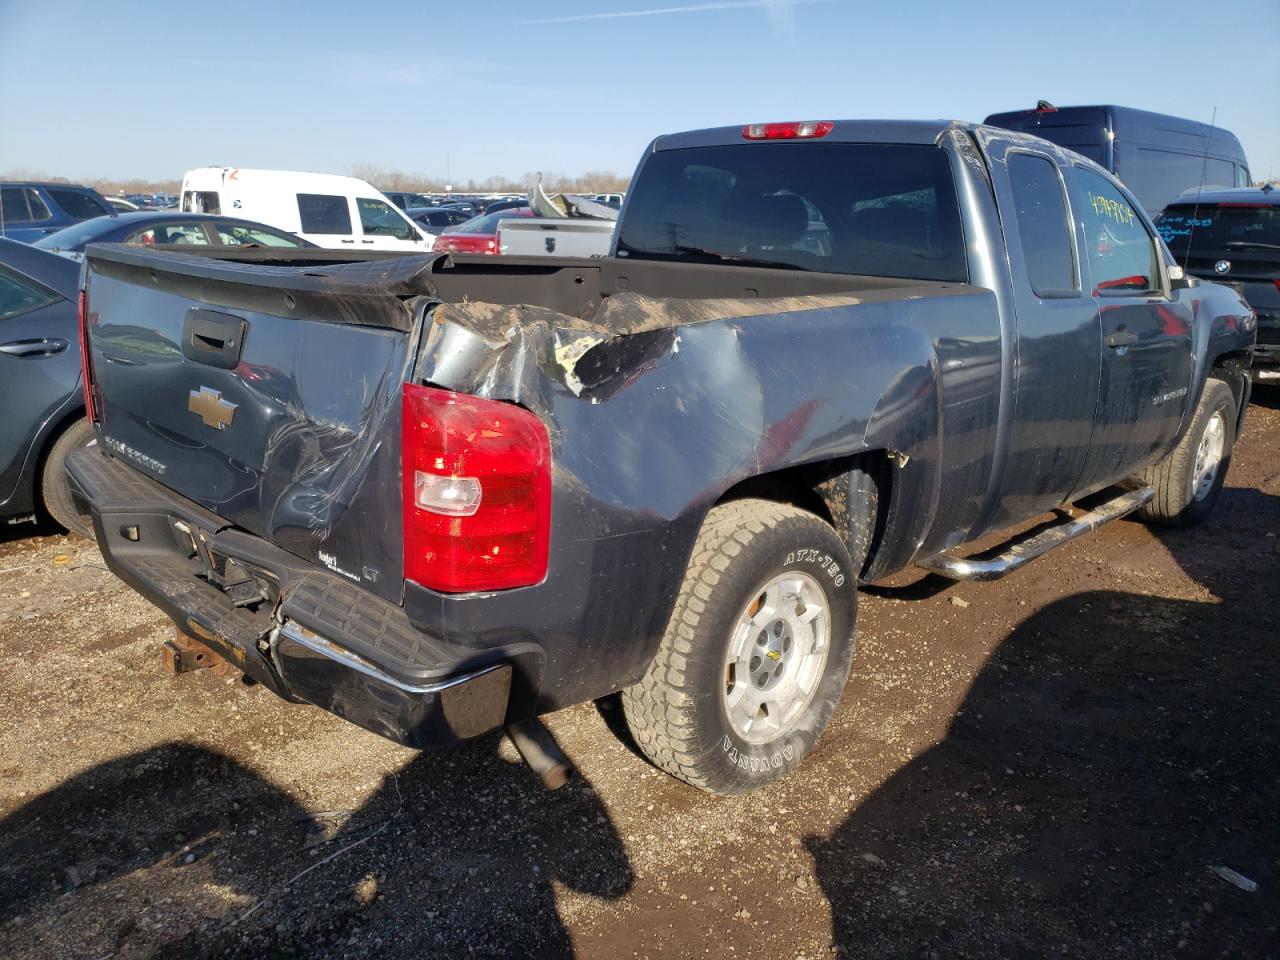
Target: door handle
<point x="46" y="347"/>
<point x="366" y="241"/>
<point x="1123" y="337"/>
<point x="348" y="241"/>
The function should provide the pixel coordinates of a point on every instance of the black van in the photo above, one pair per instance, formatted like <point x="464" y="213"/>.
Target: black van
<point x="1158" y="157"/>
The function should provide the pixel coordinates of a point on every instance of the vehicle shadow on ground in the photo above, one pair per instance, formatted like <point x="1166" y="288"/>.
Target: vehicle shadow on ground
<point x="1113" y="748"/>
<point x="464" y="855"/>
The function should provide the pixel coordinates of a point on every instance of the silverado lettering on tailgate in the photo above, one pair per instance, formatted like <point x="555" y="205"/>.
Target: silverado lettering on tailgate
<point x="137" y="456"/>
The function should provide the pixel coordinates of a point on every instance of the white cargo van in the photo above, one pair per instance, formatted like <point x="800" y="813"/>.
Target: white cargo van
<point x="329" y="210"/>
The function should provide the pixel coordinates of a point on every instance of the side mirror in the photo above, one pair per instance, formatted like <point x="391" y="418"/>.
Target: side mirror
<point x="1178" y="279"/>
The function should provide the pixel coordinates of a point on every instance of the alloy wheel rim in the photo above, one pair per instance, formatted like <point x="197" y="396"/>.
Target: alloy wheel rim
<point x="1208" y="457"/>
<point x="777" y="652"/>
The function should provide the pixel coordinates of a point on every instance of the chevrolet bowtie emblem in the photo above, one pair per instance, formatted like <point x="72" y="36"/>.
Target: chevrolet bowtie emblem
<point x="773" y="655"/>
<point x="208" y="405"/>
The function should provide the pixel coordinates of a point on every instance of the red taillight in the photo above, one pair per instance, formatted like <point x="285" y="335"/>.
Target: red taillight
<point x="466" y="243"/>
<point x="803" y="130"/>
<point x="1278" y="284"/>
<point x="476" y="482"/>
<point x="91" y="408"/>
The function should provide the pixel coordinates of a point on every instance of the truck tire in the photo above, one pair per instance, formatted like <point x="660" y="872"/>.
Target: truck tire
<point x="1188" y="480"/>
<point x="55" y="489"/>
<point x="756" y="653"/>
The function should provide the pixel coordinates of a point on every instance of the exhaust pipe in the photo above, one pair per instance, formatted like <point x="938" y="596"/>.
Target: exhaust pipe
<point x="541" y="752"/>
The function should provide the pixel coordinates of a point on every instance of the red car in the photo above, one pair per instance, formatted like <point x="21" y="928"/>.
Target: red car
<point x="477" y="235"/>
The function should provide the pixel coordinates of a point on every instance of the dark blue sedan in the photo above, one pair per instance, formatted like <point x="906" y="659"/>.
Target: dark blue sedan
<point x="166" y="228"/>
<point x="40" y="390"/>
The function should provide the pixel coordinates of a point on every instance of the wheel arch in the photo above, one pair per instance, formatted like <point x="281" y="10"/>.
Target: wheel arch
<point x="825" y="488"/>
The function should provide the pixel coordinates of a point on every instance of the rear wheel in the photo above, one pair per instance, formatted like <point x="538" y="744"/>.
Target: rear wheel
<point x="756" y="652"/>
<point x="55" y="489"/>
<point x="1189" y="479"/>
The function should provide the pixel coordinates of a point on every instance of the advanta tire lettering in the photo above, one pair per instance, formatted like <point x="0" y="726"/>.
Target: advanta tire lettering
<point x="681" y="712"/>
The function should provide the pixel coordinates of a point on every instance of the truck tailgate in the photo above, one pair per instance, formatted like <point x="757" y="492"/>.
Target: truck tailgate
<point x="269" y="397"/>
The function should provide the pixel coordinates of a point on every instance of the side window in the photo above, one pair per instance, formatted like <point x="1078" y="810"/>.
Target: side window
<point x="1122" y="255"/>
<point x="1219" y="173"/>
<point x="192" y="233"/>
<point x="235" y="235"/>
<point x="201" y="201"/>
<point x="1041" y="212"/>
<point x="39" y="212"/>
<point x="13" y="205"/>
<point x="20" y="295"/>
<point x="1242" y="177"/>
<point x="378" y="219"/>
<point x="323" y="213"/>
<point x="76" y="204"/>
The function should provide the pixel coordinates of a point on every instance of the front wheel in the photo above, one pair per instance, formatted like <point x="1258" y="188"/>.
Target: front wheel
<point x="1187" y="482"/>
<point x="756" y="652"/>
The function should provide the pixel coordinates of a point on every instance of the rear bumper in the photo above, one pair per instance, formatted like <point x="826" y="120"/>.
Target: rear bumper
<point x="313" y="636"/>
<point x="1266" y="352"/>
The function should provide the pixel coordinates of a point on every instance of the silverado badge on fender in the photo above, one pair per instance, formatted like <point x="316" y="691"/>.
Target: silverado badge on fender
<point x="209" y="406"/>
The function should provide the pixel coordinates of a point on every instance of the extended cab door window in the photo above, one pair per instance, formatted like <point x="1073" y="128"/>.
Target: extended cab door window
<point x="1043" y="226"/>
<point x="1054" y="325"/>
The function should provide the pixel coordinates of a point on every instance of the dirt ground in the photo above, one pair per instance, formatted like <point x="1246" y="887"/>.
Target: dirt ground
<point x="1047" y="765"/>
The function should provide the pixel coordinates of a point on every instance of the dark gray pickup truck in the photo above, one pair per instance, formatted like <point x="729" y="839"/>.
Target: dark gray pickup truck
<point x="440" y="495"/>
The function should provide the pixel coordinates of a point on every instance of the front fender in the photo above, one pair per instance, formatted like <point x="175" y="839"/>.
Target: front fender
<point x="1224" y="326"/>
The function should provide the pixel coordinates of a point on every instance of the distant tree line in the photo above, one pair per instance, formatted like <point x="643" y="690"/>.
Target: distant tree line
<point x="593" y="181"/>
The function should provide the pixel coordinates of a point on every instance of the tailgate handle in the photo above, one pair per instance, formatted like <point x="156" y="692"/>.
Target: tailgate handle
<point x="212" y="338"/>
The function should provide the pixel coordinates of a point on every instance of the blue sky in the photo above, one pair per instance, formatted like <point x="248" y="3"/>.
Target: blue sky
<point x="487" y="87"/>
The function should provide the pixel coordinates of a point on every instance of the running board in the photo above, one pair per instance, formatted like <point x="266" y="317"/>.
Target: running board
<point x="1020" y="554"/>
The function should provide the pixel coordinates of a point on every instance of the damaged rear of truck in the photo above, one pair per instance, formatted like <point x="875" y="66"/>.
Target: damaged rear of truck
<point x="437" y="496"/>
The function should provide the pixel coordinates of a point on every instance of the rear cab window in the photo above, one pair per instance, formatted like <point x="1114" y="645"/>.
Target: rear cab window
<point x="871" y="209"/>
<point x="324" y="213"/>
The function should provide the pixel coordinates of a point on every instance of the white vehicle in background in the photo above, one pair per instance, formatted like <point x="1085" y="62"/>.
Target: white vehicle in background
<point x="329" y="210"/>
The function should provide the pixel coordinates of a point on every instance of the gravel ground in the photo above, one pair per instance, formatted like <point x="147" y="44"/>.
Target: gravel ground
<point x="1047" y="765"/>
